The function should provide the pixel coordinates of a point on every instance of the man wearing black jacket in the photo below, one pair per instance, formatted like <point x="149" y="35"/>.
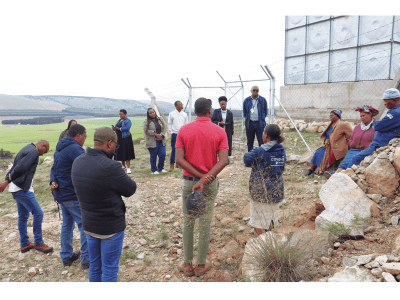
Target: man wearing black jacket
<point x="99" y="183"/>
<point x="224" y="118"/>
<point x="20" y="179"/>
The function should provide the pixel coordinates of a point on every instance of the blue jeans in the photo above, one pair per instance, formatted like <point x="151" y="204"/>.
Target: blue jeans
<point x="363" y="154"/>
<point x="173" y="141"/>
<point x="159" y="151"/>
<point x="251" y="132"/>
<point x="104" y="257"/>
<point x="27" y="203"/>
<point x="72" y="213"/>
<point x="347" y="160"/>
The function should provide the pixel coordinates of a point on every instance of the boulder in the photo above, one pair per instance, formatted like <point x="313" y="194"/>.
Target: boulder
<point x="306" y="157"/>
<point x="349" y="262"/>
<point x="292" y="157"/>
<point x="46" y="227"/>
<point x="388" y="277"/>
<point x="382" y="176"/>
<point x="333" y="215"/>
<point x="343" y="193"/>
<point x="353" y="274"/>
<point x="375" y="212"/>
<point x="392" y="268"/>
<point x="396" y="246"/>
<point x="314" y="243"/>
<point x="48" y="160"/>
<point x="377" y="272"/>
<point x="349" y="172"/>
<point x="343" y="199"/>
<point x="396" y="159"/>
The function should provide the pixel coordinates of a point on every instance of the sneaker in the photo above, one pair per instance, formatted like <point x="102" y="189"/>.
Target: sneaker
<point x="43" y="248"/>
<point x="27" y="247"/>
<point x="85" y="265"/>
<point x="75" y="255"/>
<point x="155" y="173"/>
<point x="163" y="171"/>
<point x="128" y="170"/>
<point x="123" y="167"/>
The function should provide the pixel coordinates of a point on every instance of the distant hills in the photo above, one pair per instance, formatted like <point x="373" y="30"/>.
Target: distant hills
<point x="60" y="103"/>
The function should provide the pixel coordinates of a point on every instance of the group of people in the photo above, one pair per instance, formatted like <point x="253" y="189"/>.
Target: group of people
<point x="89" y="185"/>
<point x="345" y="147"/>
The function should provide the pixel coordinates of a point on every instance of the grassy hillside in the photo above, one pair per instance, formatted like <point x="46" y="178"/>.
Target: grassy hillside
<point x="15" y="137"/>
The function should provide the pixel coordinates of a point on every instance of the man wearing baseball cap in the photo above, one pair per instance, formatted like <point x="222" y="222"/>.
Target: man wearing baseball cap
<point x="386" y="129"/>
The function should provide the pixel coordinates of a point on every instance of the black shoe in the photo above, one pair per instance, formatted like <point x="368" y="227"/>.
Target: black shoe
<point x="310" y="172"/>
<point x="85" y="265"/>
<point x="74" y="257"/>
<point x="328" y="174"/>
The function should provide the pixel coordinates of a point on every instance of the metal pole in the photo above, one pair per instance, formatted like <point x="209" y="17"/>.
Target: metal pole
<point x="293" y="124"/>
<point x="190" y="98"/>
<point x="242" y="137"/>
<point x="270" y="96"/>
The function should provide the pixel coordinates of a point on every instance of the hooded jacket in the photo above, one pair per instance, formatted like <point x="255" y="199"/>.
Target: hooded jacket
<point x="266" y="181"/>
<point x="67" y="150"/>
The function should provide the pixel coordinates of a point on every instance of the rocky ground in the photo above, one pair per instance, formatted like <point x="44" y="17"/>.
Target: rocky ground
<point x="153" y="238"/>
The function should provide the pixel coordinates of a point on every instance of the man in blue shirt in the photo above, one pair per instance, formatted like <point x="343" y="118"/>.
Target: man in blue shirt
<point x="255" y="110"/>
<point x="386" y="129"/>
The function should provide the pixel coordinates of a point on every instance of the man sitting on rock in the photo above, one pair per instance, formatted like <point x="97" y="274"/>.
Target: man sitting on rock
<point x="386" y="129"/>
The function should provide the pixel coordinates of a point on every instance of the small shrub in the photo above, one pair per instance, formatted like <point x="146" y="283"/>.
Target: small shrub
<point x="164" y="233"/>
<point x="338" y="229"/>
<point x="127" y="254"/>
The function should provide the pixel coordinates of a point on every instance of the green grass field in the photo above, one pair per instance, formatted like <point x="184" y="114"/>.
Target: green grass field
<point x="14" y="137"/>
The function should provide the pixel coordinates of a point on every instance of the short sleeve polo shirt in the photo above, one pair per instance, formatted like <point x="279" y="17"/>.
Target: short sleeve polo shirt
<point x="201" y="140"/>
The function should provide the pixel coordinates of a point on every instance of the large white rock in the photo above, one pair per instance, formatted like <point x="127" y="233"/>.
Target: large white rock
<point x="341" y="192"/>
<point x="382" y="176"/>
<point x="392" y="268"/>
<point x="353" y="274"/>
<point x="306" y="157"/>
<point x="388" y="277"/>
<point x="333" y="215"/>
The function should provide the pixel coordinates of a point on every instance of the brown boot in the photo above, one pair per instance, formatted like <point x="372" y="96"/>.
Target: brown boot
<point x="28" y="247"/>
<point x="202" y="269"/>
<point x="187" y="269"/>
<point x="43" y="248"/>
<point x="171" y="168"/>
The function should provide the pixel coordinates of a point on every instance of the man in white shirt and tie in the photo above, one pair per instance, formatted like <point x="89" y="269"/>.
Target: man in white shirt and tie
<point x="176" y="119"/>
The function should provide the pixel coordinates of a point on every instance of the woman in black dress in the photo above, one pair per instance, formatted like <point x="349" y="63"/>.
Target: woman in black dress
<point x="125" y="151"/>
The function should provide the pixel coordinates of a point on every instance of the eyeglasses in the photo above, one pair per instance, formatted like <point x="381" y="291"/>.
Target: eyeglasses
<point x="84" y="135"/>
<point x="116" y="145"/>
<point x="255" y="90"/>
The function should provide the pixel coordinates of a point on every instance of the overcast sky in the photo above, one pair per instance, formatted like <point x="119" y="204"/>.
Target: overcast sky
<point x="117" y="48"/>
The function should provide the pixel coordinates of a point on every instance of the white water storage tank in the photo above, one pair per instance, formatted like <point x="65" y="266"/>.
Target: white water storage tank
<point x="320" y="49"/>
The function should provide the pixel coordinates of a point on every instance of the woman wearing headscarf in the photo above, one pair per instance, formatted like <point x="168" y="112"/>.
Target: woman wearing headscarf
<point x="155" y="129"/>
<point x="335" y="145"/>
<point x="66" y="131"/>
<point x="224" y="118"/>
<point x="125" y="152"/>
<point x="362" y="135"/>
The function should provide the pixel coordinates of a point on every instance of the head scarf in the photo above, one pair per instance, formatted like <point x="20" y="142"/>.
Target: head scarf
<point x="337" y="112"/>
<point x="368" y="109"/>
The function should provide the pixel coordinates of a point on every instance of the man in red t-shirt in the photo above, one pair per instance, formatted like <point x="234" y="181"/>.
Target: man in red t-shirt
<point x="202" y="152"/>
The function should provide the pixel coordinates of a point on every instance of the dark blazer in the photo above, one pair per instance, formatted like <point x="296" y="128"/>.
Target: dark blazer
<point x="99" y="183"/>
<point x="24" y="167"/>
<point x="217" y="117"/>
